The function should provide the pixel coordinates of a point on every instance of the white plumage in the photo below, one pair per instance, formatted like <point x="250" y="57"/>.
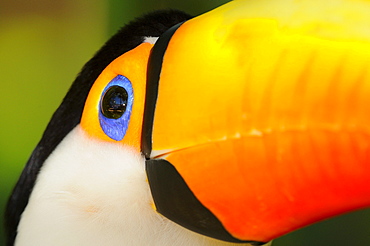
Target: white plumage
<point x="94" y="193"/>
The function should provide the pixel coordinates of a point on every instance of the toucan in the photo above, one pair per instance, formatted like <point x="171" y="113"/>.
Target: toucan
<point x="230" y="128"/>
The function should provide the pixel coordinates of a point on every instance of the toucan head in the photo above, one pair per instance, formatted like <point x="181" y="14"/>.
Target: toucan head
<point x="250" y="121"/>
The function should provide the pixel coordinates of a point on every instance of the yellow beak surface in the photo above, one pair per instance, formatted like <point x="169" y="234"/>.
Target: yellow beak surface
<point x="263" y="108"/>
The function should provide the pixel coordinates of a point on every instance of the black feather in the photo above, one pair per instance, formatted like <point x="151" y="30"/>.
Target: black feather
<point x="68" y="115"/>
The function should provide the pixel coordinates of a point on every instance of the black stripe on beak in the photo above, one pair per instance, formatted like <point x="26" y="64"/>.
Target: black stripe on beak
<point x="172" y="196"/>
<point x="153" y="74"/>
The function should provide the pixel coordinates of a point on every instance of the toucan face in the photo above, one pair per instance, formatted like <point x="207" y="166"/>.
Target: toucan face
<point x="241" y="125"/>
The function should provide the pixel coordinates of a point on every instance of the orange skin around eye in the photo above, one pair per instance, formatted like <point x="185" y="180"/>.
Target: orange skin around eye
<point x="132" y="65"/>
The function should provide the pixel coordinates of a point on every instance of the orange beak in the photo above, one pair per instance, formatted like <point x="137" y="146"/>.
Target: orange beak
<point x="266" y="121"/>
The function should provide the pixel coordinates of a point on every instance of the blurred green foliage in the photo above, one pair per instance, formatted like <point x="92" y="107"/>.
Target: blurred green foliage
<point x="44" y="43"/>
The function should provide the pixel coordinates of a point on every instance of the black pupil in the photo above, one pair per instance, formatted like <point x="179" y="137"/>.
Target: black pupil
<point x="114" y="102"/>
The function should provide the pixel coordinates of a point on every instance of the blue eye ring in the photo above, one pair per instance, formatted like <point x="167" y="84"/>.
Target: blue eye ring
<point x="115" y="107"/>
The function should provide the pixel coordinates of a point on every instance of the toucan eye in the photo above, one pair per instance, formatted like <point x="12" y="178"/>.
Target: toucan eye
<point x="115" y="107"/>
<point x="114" y="102"/>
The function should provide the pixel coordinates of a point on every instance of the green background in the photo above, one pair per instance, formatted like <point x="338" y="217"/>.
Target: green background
<point x="44" y="44"/>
